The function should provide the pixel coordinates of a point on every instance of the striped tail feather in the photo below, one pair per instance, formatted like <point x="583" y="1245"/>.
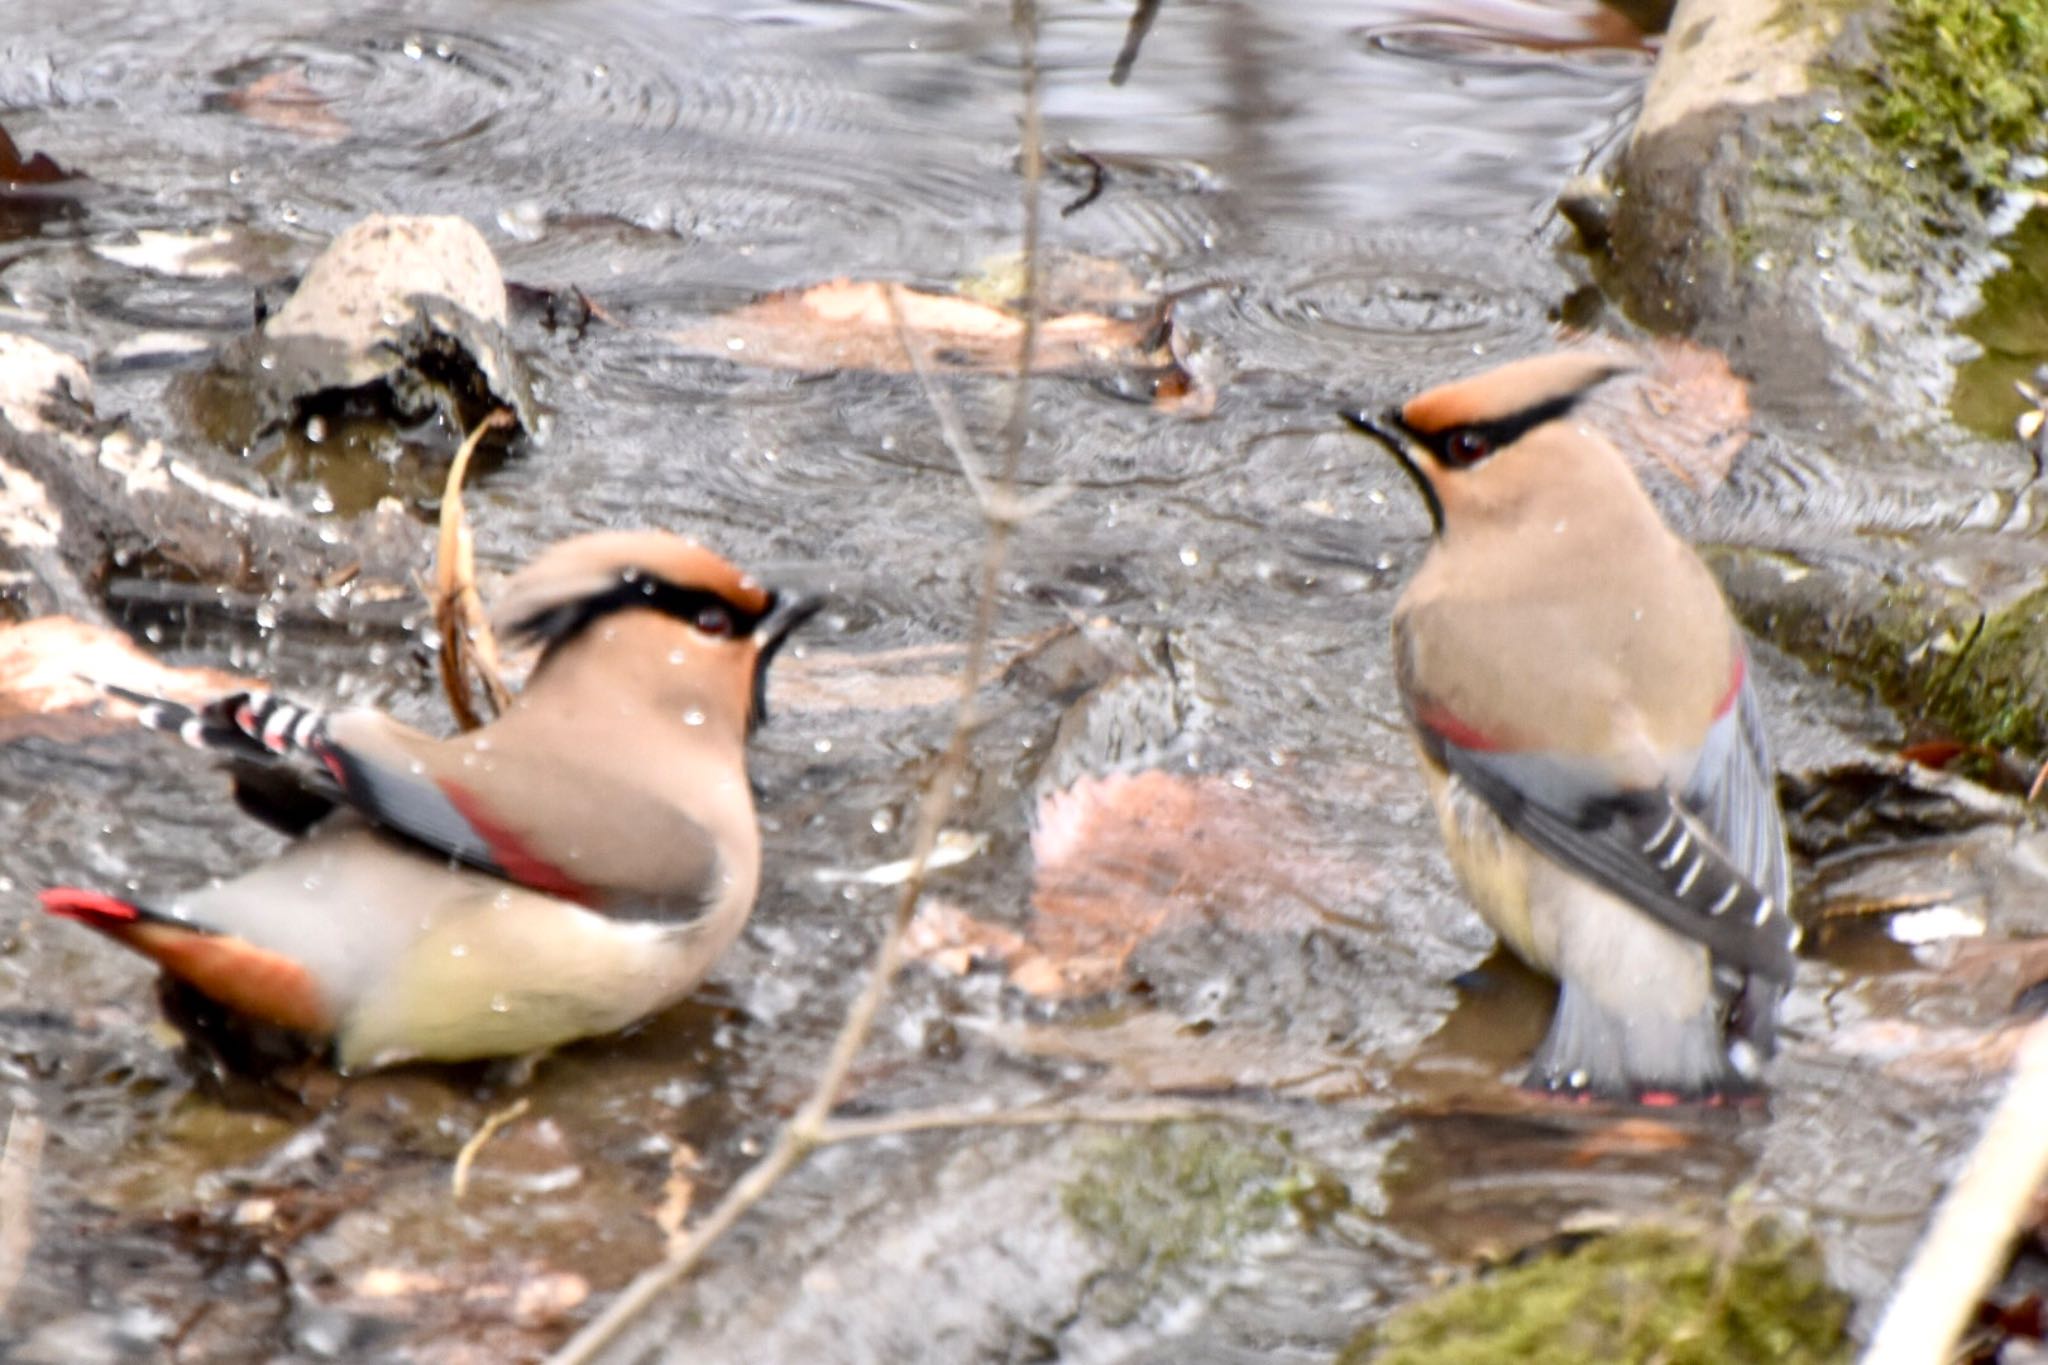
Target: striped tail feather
<point x="241" y="724"/>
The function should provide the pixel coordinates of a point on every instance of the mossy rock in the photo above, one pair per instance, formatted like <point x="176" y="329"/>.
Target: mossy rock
<point x="1682" y="1297"/>
<point x="1170" y="1200"/>
<point x="1925" y="648"/>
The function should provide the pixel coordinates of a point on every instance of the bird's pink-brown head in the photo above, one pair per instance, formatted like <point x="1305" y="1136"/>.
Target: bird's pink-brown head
<point x="682" y="604"/>
<point x="1444" y="436"/>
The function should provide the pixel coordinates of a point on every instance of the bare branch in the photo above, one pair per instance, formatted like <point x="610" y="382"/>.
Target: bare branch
<point x="949" y="1117"/>
<point x="806" y="1127"/>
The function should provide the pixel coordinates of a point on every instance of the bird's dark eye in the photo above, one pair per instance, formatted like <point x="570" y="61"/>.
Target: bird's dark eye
<point x="714" y="621"/>
<point x="1467" y="447"/>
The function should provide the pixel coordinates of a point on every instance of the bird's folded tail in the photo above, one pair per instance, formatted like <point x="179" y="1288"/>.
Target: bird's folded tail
<point x="241" y="724"/>
<point x="255" y="981"/>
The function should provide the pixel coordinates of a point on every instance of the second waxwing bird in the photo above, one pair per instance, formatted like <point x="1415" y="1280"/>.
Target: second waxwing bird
<point x="571" y="867"/>
<point x="1581" y="702"/>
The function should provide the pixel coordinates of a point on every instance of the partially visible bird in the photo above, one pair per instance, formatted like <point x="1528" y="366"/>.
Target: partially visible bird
<point x="571" y="867"/>
<point x="1593" y="744"/>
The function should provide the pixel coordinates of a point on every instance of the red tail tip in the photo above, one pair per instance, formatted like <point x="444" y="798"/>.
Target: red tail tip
<point x="87" y="907"/>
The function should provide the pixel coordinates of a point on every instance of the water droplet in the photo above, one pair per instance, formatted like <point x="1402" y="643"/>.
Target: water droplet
<point x="1831" y="115"/>
<point x="882" y="821"/>
<point x="316" y="429"/>
<point x="1190" y="556"/>
<point x="823" y="746"/>
<point x="458" y="950"/>
<point x="693" y="717"/>
<point x="153" y="633"/>
<point x="323" y="501"/>
<point x="500" y="1005"/>
<point x="414" y="48"/>
<point x="236" y="175"/>
<point x="735" y="343"/>
<point x="266" y="615"/>
<point x="678" y="656"/>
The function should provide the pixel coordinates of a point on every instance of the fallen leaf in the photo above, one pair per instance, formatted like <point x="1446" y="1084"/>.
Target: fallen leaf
<point x="678" y="1192"/>
<point x="944" y="936"/>
<point x="45" y="665"/>
<point x="848" y="324"/>
<point x="1630" y="1137"/>
<point x="34" y="170"/>
<point x="285" y="99"/>
<point x="1124" y="857"/>
<point x="1684" y="409"/>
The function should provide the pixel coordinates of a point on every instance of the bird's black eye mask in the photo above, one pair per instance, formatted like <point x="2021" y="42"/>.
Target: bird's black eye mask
<point x="1462" y="447"/>
<point x="1458" y="447"/>
<point x="699" y="608"/>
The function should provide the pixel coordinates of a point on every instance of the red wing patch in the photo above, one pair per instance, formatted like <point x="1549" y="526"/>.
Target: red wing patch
<point x="510" y="852"/>
<point x="1738" y="670"/>
<point x="1442" y="723"/>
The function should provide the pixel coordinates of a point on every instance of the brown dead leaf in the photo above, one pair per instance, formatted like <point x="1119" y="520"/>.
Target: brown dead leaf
<point x="524" y="1296"/>
<point x="34" y="170"/>
<point x="45" y="664"/>
<point x="848" y="324"/>
<point x="1685" y="409"/>
<point x="1630" y="1137"/>
<point x="284" y="99"/>
<point x="1124" y="857"/>
<point x="678" y="1192"/>
<point x="948" y="938"/>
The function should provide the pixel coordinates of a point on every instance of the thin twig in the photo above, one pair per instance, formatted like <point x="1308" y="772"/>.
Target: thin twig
<point x="946" y="1117"/>
<point x="467" y="645"/>
<point x="996" y="505"/>
<point x="801" y="1134"/>
<point x="1134" y="38"/>
<point x="1963" y="1248"/>
<point x="19" y="1161"/>
<point x="488" y="1129"/>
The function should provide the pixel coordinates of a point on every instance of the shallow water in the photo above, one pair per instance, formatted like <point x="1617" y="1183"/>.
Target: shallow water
<point x="1347" y="200"/>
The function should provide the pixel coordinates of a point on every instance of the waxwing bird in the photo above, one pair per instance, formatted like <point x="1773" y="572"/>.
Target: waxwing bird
<point x="576" y="864"/>
<point x="1594" y="749"/>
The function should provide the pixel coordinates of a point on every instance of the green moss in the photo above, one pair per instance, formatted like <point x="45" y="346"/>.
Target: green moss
<point x="1927" y="649"/>
<point x="1942" y="102"/>
<point x="1960" y="87"/>
<point x="1167" y="1200"/>
<point x="1675" y="1296"/>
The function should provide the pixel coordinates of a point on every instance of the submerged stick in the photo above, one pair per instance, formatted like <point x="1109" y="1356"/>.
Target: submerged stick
<point x="19" y="1161"/>
<point x="468" y="648"/>
<point x="458" y="1181"/>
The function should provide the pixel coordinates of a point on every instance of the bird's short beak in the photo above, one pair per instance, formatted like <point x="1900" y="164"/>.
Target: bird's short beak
<point x="1390" y="431"/>
<point x="791" y="610"/>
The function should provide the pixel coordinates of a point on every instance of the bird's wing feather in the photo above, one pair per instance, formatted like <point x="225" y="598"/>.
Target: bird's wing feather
<point x="1733" y="789"/>
<point x="298" y="759"/>
<point x="1643" y="846"/>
